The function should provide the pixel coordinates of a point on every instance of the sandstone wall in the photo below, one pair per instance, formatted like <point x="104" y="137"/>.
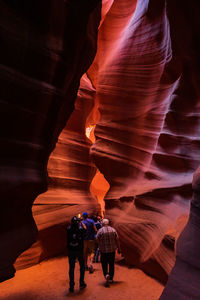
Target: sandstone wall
<point x="141" y="94"/>
<point x="46" y="46"/>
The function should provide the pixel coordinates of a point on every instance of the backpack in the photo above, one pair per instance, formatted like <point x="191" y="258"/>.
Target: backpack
<point x="74" y="238"/>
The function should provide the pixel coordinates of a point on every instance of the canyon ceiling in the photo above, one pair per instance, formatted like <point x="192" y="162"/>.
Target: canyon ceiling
<point x="100" y="106"/>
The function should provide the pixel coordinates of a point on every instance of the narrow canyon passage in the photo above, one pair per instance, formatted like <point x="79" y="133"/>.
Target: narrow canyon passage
<point x="100" y="112"/>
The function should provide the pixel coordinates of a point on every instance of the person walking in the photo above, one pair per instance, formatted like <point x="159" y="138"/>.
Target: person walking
<point x="108" y="241"/>
<point x="75" y="245"/>
<point x="89" y="241"/>
<point x="98" y="226"/>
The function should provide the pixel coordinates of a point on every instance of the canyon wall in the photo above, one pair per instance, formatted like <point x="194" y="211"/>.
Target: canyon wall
<point x="141" y="94"/>
<point x="46" y="46"/>
<point x="147" y="136"/>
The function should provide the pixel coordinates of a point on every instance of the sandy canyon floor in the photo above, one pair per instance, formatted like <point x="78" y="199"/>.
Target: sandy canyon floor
<point x="49" y="281"/>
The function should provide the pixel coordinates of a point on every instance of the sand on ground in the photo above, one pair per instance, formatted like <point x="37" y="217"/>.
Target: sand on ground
<point x="49" y="281"/>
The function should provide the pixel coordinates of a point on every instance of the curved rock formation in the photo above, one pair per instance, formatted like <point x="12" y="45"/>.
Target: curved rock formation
<point x="46" y="46"/>
<point x="70" y="173"/>
<point x="148" y="98"/>
<point x="142" y="95"/>
<point x="184" y="279"/>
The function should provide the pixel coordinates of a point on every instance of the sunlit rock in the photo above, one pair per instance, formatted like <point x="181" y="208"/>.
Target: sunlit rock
<point x="134" y="132"/>
<point x="147" y="141"/>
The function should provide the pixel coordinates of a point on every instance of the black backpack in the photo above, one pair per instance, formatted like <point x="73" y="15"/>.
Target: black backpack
<point x="74" y="238"/>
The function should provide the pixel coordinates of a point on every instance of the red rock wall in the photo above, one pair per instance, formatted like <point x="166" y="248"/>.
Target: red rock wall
<point x="46" y="46"/>
<point x="147" y="135"/>
<point x="143" y="143"/>
<point x="135" y="92"/>
<point x="183" y="282"/>
<point x="142" y="94"/>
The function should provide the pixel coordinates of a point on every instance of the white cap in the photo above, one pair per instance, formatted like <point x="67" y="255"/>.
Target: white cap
<point x="105" y="222"/>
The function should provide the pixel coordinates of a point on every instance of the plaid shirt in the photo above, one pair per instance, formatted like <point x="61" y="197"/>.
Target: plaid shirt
<point x="107" y="236"/>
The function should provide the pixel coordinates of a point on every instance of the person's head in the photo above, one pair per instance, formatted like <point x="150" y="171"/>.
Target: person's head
<point x="74" y="221"/>
<point x="85" y="215"/>
<point x="105" y="222"/>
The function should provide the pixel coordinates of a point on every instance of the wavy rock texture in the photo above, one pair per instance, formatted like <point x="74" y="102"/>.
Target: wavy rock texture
<point x="46" y="46"/>
<point x="141" y="92"/>
<point x="70" y="173"/>
<point x="184" y="279"/>
<point x="147" y="136"/>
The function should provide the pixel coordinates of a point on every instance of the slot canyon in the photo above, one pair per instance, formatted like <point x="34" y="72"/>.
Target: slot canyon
<point x="100" y="112"/>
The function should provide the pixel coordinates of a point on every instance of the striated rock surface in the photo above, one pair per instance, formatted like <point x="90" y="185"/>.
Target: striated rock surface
<point x="70" y="173"/>
<point x="183" y="282"/>
<point x="46" y="46"/>
<point x="147" y="135"/>
<point x="141" y="94"/>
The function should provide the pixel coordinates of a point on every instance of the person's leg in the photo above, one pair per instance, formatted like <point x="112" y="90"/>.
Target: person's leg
<point x="85" y="253"/>
<point x="104" y="263"/>
<point x="95" y="251"/>
<point x="97" y="255"/>
<point x="72" y="260"/>
<point x="82" y="269"/>
<point x="91" y="245"/>
<point x="111" y="262"/>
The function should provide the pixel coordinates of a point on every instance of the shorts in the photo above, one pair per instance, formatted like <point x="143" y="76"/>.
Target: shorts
<point x="89" y="246"/>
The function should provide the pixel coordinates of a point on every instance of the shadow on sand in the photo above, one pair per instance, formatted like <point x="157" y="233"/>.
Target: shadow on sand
<point x="21" y="296"/>
<point x="75" y="293"/>
<point x="114" y="283"/>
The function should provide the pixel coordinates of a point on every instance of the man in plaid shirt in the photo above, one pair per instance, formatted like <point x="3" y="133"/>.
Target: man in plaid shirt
<point x="108" y="242"/>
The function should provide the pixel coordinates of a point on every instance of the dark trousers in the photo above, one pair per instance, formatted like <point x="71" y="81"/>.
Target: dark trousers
<point x="72" y="260"/>
<point x="97" y="252"/>
<point x="108" y="260"/>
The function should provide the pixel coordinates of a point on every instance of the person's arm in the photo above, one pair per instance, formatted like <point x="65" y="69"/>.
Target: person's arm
<point x="95" y="229"/>
<point x="97" y="237"/>
<point x="94" y="226"/>
<point x="83" y="225"/>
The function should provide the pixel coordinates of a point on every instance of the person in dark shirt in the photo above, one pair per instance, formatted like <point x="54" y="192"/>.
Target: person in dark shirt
<point x="75" y="246"/>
